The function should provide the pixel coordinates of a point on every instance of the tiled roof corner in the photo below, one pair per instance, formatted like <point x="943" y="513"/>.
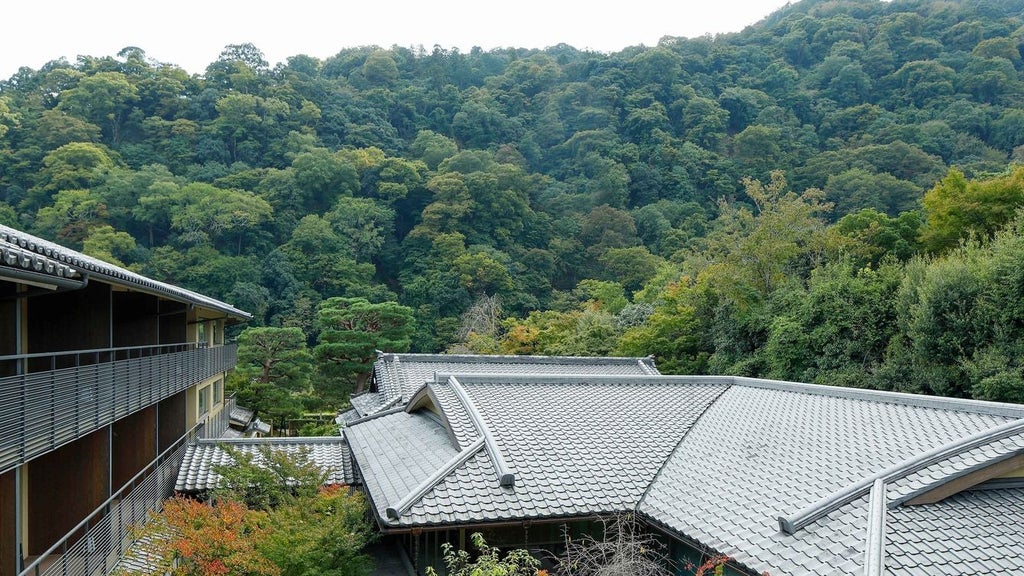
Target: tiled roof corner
<point x="396" y="453"/>
<point x="506" y="477"/>
<point x="790" y="524"/>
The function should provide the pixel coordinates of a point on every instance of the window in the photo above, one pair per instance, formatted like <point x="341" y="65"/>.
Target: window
<point x="204" y="400"/>
<point x="218" y="391"/>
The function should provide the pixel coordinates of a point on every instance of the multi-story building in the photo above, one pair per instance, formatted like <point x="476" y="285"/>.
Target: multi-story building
<point x="104" y="374"/>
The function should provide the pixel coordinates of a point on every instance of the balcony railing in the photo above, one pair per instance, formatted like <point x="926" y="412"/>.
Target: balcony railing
<point x="42" y="409"/>
<point x="99" y="541"/>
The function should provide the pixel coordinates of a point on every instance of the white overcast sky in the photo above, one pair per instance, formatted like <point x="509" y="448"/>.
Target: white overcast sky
<point x="191" y="33"/>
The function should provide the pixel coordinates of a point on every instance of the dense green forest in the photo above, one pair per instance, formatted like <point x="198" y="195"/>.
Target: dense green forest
<point x="829" y="195"/>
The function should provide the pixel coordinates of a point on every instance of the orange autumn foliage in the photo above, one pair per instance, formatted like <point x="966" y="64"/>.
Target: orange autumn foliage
<point x="217" y="540"/>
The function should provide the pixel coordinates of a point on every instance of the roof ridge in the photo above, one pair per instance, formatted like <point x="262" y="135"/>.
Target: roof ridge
<point x="563" y="378"/>
<point x="1009" y="457"/>
<point x="506" y="477"/>
<point x="1003" y="409"/>
<point x="526" y="359"/>
<point x="647" y="366"/>
<point x="793" y="523"/>
<point x="402" y="506"/>
<point x="874" y="546"/>
<point x="88" y="264"/>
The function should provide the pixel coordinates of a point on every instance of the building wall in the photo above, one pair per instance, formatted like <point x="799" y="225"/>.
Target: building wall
<point x="136" y="319"/>
<point x="133" y="442"/>
<point x="64" y="486"/>
<point x="8" y="526"/>
<point x="195" y="411"/>
<point x="8" y="328"/>
<point x="171" y="418"/>
<point x="76" y="320"/>
<point x="66" y="321"/>
<point x="173" y="322"/>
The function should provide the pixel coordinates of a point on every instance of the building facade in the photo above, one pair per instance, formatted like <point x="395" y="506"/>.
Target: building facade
<point x="103" y="375"/>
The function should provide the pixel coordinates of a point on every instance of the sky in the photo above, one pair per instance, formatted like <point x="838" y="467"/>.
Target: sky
<point x="192" y="33"/>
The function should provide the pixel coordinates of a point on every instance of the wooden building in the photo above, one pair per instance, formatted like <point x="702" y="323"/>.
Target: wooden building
<point x="104" y="374"/>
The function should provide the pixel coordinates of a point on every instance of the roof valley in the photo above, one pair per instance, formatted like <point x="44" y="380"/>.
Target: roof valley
<point x="682" y="438"/>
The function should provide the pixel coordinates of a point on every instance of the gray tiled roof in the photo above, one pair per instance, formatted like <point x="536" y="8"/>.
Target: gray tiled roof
<point x="399" y="376"/>
<point x="350" y="415"/>
<point x="241" y="416"/>
<point x="761" y="452"/>
<point x="232" y="433"/>
<point x="717" y="460"/>
<point x="396" y="453"/>
<point x="22" y="252"/>
<point x="973" y="532"/>
<point x="367" y="403"/>
<point x="196" y="474"/>
<point x="578" y="445"/>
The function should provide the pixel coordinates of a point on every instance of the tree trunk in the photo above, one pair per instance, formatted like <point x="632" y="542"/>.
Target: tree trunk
<point x="361" y="380"/>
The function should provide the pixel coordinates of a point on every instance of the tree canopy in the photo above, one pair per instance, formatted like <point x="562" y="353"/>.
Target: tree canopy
<point x="730" y="186"/>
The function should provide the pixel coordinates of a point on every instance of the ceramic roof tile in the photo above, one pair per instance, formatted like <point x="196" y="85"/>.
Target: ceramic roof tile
<point x="720" y="459"/>
<point x="760" y="453"/>
<point x="396" y="453"/>
<point x="22" y="251"/>
<point x="402" y="375"/>
<point x="455" y="413"/>
<point x="989" y="535"/>
<point x="956" y="466"/>
<point x="578" y="446"/>
<point x="350" y="415"/>
<point x="367" y="403"/>
<point x="196" y="474"/>
<point x="241" y="416"/>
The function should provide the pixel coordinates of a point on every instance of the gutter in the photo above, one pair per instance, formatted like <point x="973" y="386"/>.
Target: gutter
<point x="42" y="283"/>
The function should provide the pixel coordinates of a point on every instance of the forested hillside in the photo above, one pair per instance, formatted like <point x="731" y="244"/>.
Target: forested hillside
<point x="828" y="196"/>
